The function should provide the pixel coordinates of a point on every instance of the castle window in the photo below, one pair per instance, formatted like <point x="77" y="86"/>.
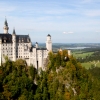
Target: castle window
<point x="5" y="41"/>
<point x="22" y="40"/>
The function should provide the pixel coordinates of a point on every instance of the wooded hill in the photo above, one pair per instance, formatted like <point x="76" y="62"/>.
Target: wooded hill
<point x="63" y="79"/>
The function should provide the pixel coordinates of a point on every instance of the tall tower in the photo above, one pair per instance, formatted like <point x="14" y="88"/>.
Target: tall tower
<point x="14" y="44"/>
<point x="0" y="51"/>
<point x="49" y="43"/>
<point x="5" y="28"/>
<point x="36" y="45"/>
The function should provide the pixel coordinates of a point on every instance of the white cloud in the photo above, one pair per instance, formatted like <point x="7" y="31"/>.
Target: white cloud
<point x="92" y="13"/>
<point x="7" y="9"/>
<point x="86" y="1"/>
<point x="68" y="32"/>
<point x="97" y="31"/>
<point x="64" y="32"/>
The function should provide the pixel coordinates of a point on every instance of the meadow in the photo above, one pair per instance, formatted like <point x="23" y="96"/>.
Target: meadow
<point x="92" y="64"/>
<point x="82" y="54"/>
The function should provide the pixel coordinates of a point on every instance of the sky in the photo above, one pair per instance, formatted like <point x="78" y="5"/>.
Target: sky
<point x="67" y="21"/>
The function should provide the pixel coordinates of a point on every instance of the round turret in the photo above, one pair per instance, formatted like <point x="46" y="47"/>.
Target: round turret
<point x="48" y="37"/>
<point x="49" y="43"/>
<point x="36" y="45"/>
<point x="14" y="44"/>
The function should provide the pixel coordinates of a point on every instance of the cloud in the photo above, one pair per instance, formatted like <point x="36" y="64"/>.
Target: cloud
<point x="92" y="13"/>
<point x="7" y="9"/>
<point x="68" y="32"/>
<point x="64" y="32"/>
<point x="97" y="31"/>
<point x="86" y="1"/>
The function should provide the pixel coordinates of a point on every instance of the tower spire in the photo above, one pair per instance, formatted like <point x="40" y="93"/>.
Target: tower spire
<point x="5" y="23"/>
<point x="14" y="31"/>
<point x="6" y="28"/>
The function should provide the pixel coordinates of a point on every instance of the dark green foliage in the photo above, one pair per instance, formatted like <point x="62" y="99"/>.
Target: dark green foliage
<point x="32" y="72"/>
<point x="64" y="79"/>
<point x="95" y="56"/>
<point x="95" y="71"/>
<point x="15" y="82"/>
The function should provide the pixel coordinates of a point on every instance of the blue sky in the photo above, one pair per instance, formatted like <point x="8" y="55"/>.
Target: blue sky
<point x="68" y="21"/>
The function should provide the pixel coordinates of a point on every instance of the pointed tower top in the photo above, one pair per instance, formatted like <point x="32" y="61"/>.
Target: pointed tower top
<point x="5" y="28"/>
<point x="5" y="23"/>
<point x="14" y="31"/>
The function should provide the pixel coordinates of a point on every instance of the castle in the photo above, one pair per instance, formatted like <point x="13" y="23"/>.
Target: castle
<point x="20" y="47"/>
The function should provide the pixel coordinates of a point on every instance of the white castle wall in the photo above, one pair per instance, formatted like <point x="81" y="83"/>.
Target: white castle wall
<point x="6" y="29"/>
<point x="49" y="43"/>
<point x="36" y="57"/>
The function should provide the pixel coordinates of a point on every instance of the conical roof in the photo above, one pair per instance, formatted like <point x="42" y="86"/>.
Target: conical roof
<point x="14" y="31"/>
<point x="5" y="23"/>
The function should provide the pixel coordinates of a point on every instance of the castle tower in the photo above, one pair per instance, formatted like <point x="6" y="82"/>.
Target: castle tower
<point x="5" y="28"/>
<point x="0" y="50"/>
<point x="36" y="45"/>
<point x="14" y="44"/>
<point x="49" y="43"/>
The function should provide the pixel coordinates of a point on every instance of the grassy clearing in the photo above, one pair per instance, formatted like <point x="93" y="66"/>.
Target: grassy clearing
<point x="88" y="65"/>
<point x="82" y="54"/>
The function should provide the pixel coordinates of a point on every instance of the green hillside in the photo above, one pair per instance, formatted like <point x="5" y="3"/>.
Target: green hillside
<point x="63" y="79"/>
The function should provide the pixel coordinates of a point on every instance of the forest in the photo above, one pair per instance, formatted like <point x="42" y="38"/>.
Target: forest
<point x="64" y="78"/>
